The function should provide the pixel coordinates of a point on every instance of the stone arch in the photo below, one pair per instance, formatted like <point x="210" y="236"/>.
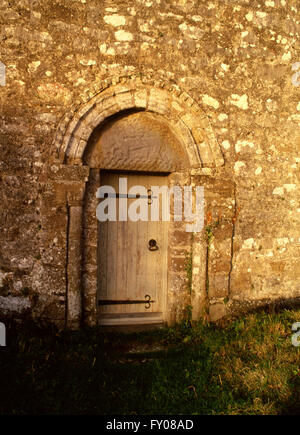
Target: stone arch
<point x="186" y="117"/>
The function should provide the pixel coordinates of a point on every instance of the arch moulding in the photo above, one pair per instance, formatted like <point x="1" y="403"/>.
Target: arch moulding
<point x="186" y="117"/>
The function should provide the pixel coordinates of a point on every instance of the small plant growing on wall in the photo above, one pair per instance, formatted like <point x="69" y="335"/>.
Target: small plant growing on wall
<point x="209" y="235"/>
<point x="209" y="228"/>
<point x="189" y="276"/>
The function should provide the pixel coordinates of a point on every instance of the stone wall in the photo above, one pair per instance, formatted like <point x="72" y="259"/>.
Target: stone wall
<point x="227" y="69"/>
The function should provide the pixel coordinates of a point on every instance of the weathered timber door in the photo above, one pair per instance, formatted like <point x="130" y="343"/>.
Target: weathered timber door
<point x="132" y="258"/>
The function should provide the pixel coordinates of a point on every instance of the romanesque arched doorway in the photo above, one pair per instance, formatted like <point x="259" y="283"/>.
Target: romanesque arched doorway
<point x="147" y="130"/>
<point x="136" y="153"/>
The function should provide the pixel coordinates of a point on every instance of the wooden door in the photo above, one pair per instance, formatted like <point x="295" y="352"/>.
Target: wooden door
<point x="130" y="272"/>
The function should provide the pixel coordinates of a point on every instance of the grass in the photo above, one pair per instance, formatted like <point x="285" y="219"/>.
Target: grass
<point x="248" y="366"/>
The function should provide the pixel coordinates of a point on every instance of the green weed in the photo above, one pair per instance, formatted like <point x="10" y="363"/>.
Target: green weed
<point x="248" y="366"/>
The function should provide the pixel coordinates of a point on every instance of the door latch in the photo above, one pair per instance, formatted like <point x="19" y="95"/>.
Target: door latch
<point x="152" y="245"/>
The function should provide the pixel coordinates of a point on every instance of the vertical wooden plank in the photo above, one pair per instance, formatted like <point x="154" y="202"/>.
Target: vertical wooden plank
<point x="157" y="228"/>
<point x="131" y="252"/>
<point x="121" y="274"/>
<point x="112" y="238"/>
<point x="152" y="264"/>
<point x="102" y="258"/>
<point x="122" y="246"/>
<point x="142" y="253"/>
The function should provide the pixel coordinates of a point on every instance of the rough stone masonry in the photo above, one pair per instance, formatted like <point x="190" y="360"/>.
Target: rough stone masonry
<point x="221" y="76"/>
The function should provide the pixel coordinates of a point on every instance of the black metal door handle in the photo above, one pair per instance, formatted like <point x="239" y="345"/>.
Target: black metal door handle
<point x="152" y="245"/>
